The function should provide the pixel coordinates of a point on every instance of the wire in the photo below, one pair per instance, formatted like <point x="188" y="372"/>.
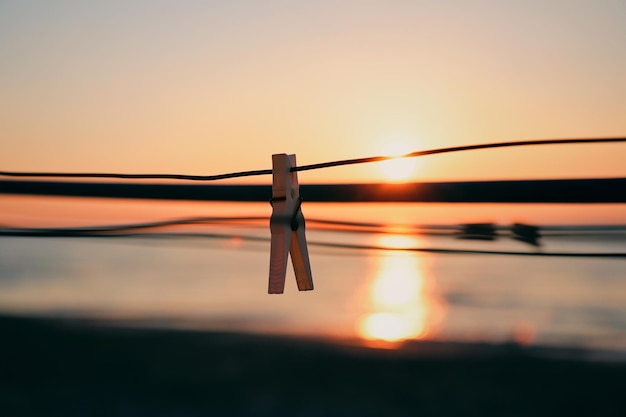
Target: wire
<point x="458" y="149"/>
<point x="138" y="176"/>
<point x="348" y="246"/>
<point x="323" y="225"/>
<point x="318" y="165"/>
<point x="472" y="251"/>
<point x="135" y="230"/>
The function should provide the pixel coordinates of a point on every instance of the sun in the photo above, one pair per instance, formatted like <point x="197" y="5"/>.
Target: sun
<point x="397" y="169"/>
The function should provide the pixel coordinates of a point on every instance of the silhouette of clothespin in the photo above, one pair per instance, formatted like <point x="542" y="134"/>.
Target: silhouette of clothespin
<point x="287" y="227"/>
<point x="477" y="231"/>
<point x="526" y="233"/>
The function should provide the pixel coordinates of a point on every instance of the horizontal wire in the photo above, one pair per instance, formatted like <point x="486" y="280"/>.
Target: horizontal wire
<point x="618" y="255"/>
<point x="318" y="165"/>
<point x="348" y="246"/>
<point x="138" y="176"/>
<point x="328" y="225"/>
<point x="507" y="144"/>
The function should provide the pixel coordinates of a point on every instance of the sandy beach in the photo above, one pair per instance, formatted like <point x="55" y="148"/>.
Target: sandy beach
<point x="69" y="368"/>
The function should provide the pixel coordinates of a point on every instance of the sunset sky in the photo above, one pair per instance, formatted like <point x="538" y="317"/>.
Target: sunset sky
<point x="206" y="87"/>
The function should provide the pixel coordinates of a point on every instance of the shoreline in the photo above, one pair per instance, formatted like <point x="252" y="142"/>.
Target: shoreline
<point x="68" y="367"/>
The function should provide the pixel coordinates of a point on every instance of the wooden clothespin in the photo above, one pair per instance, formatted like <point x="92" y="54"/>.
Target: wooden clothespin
<point x="287" y="227"/>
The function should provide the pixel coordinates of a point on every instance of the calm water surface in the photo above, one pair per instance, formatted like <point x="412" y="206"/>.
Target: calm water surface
<point x="372" y="295"/>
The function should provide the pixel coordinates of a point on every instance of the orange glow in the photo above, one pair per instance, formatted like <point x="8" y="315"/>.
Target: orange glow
<point x="397" y="169"/>
<point x="234" y="242"/>
<point x="400" y="305"/>
<point x="246" y="85"/>
<point x="391" y="327"/>
<point x="398" y="285"/>
<point x="397" y="241"/>
<point x="524" y="333"/>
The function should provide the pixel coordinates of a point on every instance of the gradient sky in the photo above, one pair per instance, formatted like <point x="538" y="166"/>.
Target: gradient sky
<point x="205" y="87"/>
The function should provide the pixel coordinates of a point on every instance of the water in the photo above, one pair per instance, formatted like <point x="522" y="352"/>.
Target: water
<point x="212" y="283"/>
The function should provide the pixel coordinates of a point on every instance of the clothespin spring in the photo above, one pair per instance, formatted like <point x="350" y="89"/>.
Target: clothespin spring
<point x="294" y="223"/>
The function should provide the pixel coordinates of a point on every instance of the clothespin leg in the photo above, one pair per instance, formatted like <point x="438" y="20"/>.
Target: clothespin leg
<point x="282" y="203"/>
<point x="279" y="251"/>
<point x="300" y="257"/>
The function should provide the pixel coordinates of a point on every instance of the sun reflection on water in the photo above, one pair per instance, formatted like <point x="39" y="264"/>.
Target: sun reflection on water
<point x="400" y="302"/>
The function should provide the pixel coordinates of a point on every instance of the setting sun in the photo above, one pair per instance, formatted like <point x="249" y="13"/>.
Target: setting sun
<point x="397" y="169"/>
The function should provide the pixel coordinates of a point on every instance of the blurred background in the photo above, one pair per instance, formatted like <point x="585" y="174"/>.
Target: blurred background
<point x="209" y="87"/>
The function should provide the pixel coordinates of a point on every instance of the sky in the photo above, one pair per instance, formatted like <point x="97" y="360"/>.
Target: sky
<point x="207" y="87"/>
